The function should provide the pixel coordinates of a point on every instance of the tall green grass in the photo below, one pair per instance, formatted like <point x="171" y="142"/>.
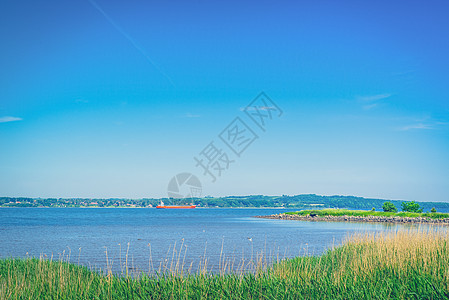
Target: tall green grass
<point x="365" y="213"/>
<point x="397" y="265"/>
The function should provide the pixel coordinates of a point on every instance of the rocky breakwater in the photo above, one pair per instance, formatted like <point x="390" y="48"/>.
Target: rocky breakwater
<point x="379" y="219"/>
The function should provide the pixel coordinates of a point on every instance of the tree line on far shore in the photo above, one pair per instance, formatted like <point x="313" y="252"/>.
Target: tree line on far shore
<point x="305" y="201"/>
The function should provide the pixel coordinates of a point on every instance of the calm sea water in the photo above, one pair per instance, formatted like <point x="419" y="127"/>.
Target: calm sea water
<point x="152" y="234"/>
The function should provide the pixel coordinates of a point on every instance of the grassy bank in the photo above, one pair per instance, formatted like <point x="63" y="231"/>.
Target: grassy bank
<point x="365" y="213"/>
<point x="400" y="265"/>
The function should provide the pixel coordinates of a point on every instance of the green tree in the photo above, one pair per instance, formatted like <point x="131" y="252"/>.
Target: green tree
<point x="389" y="207"/>
<point x="411" y="207"/>
<point x="433" y="210"/>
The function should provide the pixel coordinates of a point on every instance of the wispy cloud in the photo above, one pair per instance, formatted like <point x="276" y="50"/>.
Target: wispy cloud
<point x="9" y="119"/>
<point x="372" y="101"/>
<point x="189" y="115"/>
<point x="416" y="126"/>
<point x="373" y="98"/>
<point x="257" y="108"/>
<point x="423" y="125"/>
<point x="403" y="73"/>
<point x="370" y="106"/>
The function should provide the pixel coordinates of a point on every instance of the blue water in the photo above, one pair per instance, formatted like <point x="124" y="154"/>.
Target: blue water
<point x="232" y="234"/>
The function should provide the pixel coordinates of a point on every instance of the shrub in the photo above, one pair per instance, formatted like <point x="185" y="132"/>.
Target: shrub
<point x="411" y="207"/>
<point x="433" y="210"/>
<point x="389" y="207"/>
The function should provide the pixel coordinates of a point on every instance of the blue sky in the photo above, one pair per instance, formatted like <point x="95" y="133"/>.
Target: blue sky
<point x="113" y="98"/>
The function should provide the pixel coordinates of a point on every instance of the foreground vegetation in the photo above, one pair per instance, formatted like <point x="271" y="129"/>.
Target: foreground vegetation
<point x="365" y="213"/>
<point x="396" y="265"/>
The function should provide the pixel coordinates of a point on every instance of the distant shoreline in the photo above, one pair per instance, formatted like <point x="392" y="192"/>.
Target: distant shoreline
<point x="113" y="207"/>
<point x="303" y="201"/>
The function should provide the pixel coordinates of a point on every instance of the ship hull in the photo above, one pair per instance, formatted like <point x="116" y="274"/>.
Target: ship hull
<point x="176" y="206"/>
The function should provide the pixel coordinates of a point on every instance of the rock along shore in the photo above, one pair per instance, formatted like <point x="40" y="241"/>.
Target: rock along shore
<point x="378" y="219"/>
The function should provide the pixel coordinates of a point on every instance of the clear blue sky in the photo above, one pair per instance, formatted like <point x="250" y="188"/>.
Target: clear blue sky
<point x="113" y="98"/>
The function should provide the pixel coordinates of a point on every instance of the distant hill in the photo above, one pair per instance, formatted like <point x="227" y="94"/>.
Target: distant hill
<point x="305" y="201"/>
